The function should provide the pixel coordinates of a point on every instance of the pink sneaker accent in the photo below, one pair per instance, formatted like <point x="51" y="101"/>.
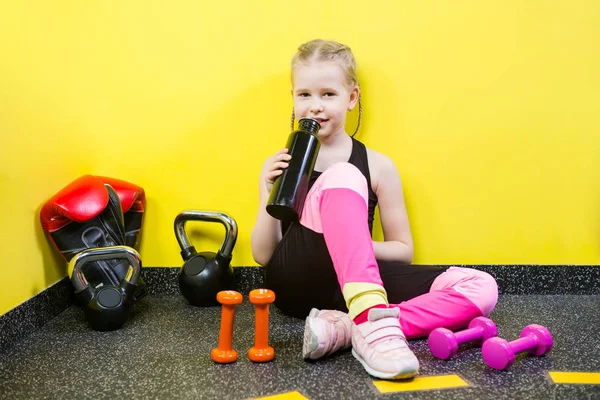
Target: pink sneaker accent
<point x="381" y="347"/>
<point x="326" y="332"/>
<point x="364" y="316"/>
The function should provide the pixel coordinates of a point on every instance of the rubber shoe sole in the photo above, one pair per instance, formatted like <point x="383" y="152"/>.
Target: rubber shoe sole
<point x="406" y="374"/>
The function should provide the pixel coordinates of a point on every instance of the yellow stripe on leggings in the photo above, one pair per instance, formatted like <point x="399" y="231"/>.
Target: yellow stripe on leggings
<point x="421" y="383"/>
<point x="584" y="378"/>
<point x="284" y="396"/>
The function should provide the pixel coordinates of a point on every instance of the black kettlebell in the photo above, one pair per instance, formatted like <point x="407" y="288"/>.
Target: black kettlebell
<point x="205" y="274"/>
<point x="106" y="306"/>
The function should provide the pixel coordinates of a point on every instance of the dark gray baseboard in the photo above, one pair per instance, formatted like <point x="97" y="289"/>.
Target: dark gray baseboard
<point x="544" y="279"/>
<point x="512" y="279"/>
<point x="165" y="280"/>
<point x="27" y="317"/>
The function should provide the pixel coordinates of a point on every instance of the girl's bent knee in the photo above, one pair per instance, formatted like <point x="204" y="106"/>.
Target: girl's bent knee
<point x="478" y="286"/>
<point x="343" y="175"/>
<point x="488" y="292"/>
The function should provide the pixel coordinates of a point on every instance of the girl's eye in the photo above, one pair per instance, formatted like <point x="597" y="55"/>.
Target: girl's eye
<point x="329" y="94"/>
<point x="303" y="95"/>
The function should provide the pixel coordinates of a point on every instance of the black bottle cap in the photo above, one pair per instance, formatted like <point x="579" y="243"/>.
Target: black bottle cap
<point x="309" y="125"/>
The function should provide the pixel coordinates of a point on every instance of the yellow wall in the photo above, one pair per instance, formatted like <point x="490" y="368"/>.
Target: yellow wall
<point x="489" y="108"/>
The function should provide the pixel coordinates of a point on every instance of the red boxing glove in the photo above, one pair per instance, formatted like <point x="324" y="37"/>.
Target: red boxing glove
<point x="85" y="214"/>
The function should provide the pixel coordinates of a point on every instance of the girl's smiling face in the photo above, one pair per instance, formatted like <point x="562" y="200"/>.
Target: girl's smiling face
<point x="320" y="91"/>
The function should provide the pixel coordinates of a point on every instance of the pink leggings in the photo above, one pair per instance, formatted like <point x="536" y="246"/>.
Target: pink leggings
<point x="336" y="206"/>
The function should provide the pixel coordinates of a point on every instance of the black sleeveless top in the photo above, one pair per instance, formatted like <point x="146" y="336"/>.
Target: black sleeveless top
<point x="358" y="158"/>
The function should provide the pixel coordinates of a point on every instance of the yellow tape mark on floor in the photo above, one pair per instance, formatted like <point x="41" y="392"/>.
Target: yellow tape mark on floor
<point x="421" y="383"/>
<point x="284" y="396"/>
<point x="585" y="378"/>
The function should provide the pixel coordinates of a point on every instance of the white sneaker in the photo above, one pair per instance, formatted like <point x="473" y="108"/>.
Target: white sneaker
<point x="326" y="332"/>
<point x="381" y="347"/>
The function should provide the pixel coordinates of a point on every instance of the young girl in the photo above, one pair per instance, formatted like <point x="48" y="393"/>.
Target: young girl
<point x="354" y="291"/>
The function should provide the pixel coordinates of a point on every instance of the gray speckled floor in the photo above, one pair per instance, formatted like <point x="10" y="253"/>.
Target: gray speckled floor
<point x="163" y="353"/>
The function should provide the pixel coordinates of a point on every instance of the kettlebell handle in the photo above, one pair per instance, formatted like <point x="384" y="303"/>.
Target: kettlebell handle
<point x="104" y="253"/>
<point x="231" y="229"/>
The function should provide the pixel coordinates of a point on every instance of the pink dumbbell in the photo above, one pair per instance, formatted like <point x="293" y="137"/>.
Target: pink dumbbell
<point x="500" y="354"/>
<point x="444" y="343"/>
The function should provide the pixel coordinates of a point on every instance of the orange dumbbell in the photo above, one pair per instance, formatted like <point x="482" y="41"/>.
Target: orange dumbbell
<point x="224" y="353"/>
<point x="261" y="352"/>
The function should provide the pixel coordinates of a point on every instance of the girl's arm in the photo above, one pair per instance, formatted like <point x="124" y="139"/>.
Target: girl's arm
<point x="398" y="243"/>
<point x="266" y="233"/>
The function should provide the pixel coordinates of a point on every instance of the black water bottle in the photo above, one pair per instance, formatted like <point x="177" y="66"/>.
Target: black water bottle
<point x="290" y="189"/>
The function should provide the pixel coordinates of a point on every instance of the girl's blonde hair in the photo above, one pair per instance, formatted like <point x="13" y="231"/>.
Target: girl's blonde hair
<point x="328" y="50"/>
